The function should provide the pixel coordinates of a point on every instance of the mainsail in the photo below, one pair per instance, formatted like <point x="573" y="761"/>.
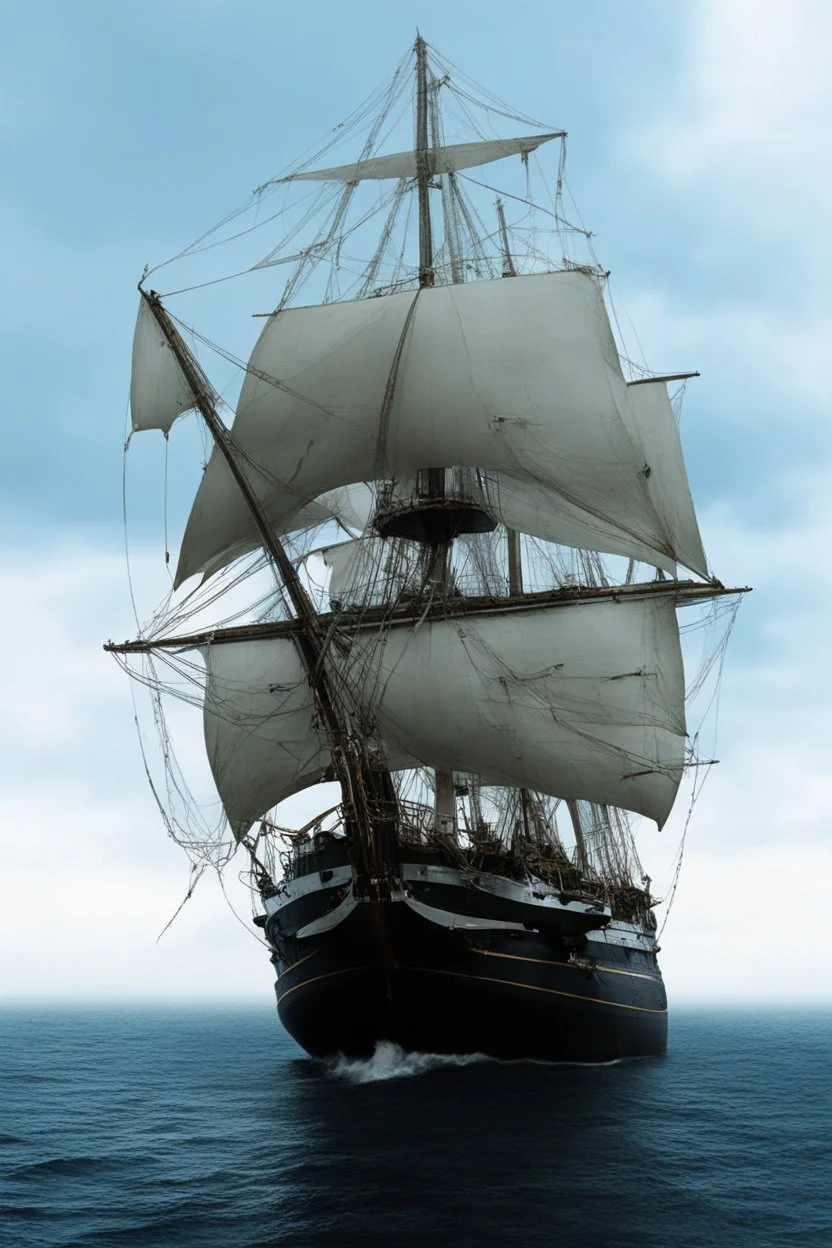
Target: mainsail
<point x="581" y="701"/>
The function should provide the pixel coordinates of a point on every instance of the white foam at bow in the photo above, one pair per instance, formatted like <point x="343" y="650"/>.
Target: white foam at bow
<point x="392" y="1062"/>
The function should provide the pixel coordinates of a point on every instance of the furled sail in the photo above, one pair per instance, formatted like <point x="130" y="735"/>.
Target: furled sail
<point x="438" y="159"/>
<point x="159" y="391"/>
<point x="516" y="375"/>
<point x="579" y="701"/>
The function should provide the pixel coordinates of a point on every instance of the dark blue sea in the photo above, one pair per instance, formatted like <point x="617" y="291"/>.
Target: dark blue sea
<point x="136" y="1126"/>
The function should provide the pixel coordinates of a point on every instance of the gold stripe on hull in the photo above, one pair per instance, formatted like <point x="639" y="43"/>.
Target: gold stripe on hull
<point x="490" y="979"/>
<point x="299" y="962"/>
<point x="611" y="970"/>
<point x="368" y="966"/>
<point x="555" y="992"/>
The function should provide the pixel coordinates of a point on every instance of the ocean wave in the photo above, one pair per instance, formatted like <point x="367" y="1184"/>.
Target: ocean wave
<point x="72" y="1167"/>
<point x="390" y="1061"/>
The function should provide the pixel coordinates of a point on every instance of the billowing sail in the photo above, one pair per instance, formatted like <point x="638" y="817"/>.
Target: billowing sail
<point x="579" y="701"/>
<point x="159" y="391"/>
<point x="263" y="738"/>
<point x="438" y="159"/>
<point x="517" y="375"/>
<point x="656" y="424"/>
<point x="351" y="506"/>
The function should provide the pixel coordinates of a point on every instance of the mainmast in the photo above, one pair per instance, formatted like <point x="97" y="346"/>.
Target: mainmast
<point x="423" y="170"/>
<point x="582" y="860"/>
<point x="515" y="564"/>
<point x="438" y="552"/>
<point x="508" y="260"/>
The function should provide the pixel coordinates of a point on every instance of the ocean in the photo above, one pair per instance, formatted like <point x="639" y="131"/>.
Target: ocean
<point x="210" y="1129"/>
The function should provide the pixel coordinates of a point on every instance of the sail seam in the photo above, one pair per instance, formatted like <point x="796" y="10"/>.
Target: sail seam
<point x="390" y="389"/>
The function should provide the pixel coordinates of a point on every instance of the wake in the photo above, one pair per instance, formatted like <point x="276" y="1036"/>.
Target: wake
<point x="392" y="1062"/>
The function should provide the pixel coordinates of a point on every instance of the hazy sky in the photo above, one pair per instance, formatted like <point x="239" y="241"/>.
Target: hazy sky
<point x="699" y="152"/>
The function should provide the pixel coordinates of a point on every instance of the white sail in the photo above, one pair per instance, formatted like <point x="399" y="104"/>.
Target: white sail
<point x="370" y="570"/>
<point x="439" y="160"/>
<point x="579" y="701"/>
<point x="518" y="375"/>
<point x="159" y="391"/>
<point x="351" y="506"/>
<point x="263" y="738"/>
<point x="655" y="421"/>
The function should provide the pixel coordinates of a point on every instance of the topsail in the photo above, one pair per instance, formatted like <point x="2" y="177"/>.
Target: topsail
<point x="438" y="159"/>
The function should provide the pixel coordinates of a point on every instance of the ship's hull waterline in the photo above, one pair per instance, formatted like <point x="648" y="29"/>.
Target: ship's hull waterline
<point x="433" y="981"/>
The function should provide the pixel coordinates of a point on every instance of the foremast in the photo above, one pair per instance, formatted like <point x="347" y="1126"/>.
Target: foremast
<point x="368" y="796"/>
<point x="423" y="170"/>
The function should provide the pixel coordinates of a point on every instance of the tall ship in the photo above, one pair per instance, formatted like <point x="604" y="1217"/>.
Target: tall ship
<point x="428" y="594"/>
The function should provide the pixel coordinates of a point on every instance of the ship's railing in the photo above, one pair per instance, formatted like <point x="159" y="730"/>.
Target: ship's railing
<point x="312" y="848"/>
<point x="459" y="485"/>
<point x="416" y="823"/>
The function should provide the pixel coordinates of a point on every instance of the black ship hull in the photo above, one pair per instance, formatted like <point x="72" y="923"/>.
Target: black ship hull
<point x="436" y="980"/>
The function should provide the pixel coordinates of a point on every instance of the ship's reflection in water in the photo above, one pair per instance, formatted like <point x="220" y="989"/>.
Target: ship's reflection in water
<point x="706" y="1147"/>
<point x="414" y="1149"/>
<point x="161" y="1128"/>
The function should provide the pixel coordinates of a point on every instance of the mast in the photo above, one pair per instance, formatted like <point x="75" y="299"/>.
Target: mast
<point x="515" y="560"/>
<point x="444" y="798"/>
<point x="580" y="843"/>
<point x="423" y="171"/>
<point x="515" y="563"/>
<point x="427" y="276"/>
<point x="364" y="788"/>
<point x="222" y="439"/>
<point x="508" y="261"/>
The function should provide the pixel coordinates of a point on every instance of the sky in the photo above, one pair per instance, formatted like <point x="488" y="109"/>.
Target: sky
<point x="698" y="153"/>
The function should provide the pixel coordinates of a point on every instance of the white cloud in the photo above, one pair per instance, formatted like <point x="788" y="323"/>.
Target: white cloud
<point x="751" y="926"/>
<point x="752" y="909"/>
<point x="763" y="363"/>
<point x="752" y="103"/>
<point x="739" y="161"/>
<point x="88" y="877"/>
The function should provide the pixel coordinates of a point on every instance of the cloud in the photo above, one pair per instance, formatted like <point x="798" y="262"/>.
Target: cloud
<point x="89" y="878"/>
<point x="763" y="363"/>
<point x="750" y="917"/>
<point x="752" y="102"/>
<point x="751" y="927"/>
<point x="738" y="158"/>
